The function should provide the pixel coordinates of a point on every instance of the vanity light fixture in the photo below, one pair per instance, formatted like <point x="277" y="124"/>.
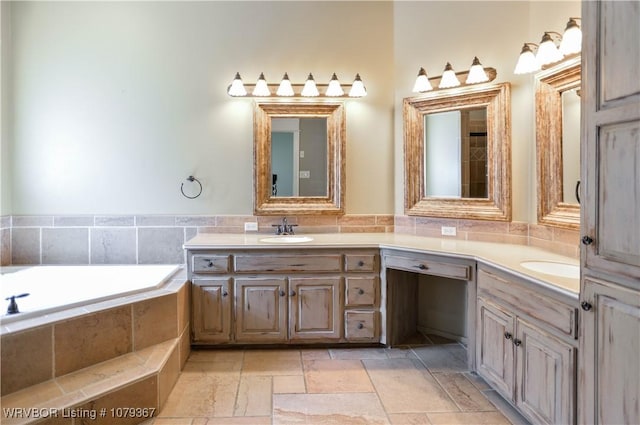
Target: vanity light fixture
<point x="287" y="89"/>
<point x="449" y="78"/>
<point x="476" y="73"/>
<point x="261" y="88"/>
<point x="572" y="38"/>
<point x="527" y="60"/>
<point x="357" y="88"/>
<point x="310" y="89"/>
<point x="548" y="51"/>
<point x="334" y="89"/>
<point x="237" y="87"/>
<point x="422" y="83"/>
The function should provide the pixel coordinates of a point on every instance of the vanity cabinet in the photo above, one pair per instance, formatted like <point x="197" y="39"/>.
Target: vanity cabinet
<point x="285" y="296"/>
<point x="526" y="347"/>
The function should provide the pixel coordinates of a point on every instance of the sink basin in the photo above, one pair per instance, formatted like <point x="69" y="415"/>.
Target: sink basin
<point x="287" y="239"/>
<point x="553" y="268"/>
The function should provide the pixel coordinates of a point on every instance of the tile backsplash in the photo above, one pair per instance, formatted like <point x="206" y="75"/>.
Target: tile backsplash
<point x="158" y="239"/>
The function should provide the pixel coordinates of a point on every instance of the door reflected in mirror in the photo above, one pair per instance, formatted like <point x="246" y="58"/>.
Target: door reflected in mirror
<point x="570" y="145"/>
<point x="455" y="153"/>
<point x="298" y="157"/>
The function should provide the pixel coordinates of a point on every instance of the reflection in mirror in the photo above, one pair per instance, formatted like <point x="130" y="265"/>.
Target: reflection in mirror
<point x="299" y="156"/>
<point x="299" y="152"/>
<point x="457" y="153"/>
<point x="558" y="143"/>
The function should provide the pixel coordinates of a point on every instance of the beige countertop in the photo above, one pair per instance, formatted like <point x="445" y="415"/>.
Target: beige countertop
<point x="504" y="256"/>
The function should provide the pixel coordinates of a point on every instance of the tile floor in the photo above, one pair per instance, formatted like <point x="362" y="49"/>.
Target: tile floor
<point x="427" y="384"/>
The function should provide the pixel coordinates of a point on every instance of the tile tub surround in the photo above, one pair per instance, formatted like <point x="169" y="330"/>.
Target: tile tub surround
<point x="144" y="239"/>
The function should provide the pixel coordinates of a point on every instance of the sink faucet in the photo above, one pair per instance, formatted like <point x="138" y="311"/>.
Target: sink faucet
<point x="284" y="228"/>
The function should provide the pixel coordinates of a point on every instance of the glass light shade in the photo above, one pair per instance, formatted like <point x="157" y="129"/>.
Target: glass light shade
<point x="476" y="73"/>
<point x="422" y="83"/>
<point x="261" y="88"/>
<point x="547" y="51"/>
<point x="237" y="88"/>
<point x="310" y="89"/>
<point x="571" y="39"/>
<point x="449" y="78"/>
<point x="357" y="88"/>
<point x="285" y="88"/>
<point x="526" y="62"/>
<point x="334" y="88"/>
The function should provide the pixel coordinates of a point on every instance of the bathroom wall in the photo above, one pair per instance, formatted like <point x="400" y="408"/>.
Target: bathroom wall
<point x="5" y="110"/>
<point x="116" y="103"/>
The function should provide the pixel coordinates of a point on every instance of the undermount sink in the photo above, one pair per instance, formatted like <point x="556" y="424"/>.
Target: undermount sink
<point x="553" y="268"/>
<point x="287" y="239"/>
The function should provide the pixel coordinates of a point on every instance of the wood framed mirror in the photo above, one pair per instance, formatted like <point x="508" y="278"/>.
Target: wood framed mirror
<point x="558" y="144"/>
<point x="299" y="158"/>
<point x="457" y="153"/>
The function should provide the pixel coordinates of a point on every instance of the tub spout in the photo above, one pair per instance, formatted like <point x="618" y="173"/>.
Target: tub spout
<point x="13" y="305"/>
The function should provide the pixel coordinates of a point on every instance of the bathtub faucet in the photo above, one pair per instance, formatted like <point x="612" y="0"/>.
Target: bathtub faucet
<point x="13" y="306"/>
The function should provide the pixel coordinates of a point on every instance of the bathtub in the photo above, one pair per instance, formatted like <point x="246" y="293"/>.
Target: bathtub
<point x="57" y="288"/>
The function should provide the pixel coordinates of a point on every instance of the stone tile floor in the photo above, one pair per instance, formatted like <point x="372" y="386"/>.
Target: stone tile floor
<point x="426" y="384"/>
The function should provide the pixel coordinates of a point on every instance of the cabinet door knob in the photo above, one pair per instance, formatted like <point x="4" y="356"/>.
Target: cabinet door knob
<point x="586" y="306"/>
<point x="422" y="267"/>
<point x="507" y="335"/>
<point x="293" y="293"/>
<point x="282" y="293"/>
<point x="517" y="342"/>
<point x="360" y="291"/>
<point x="225" y="293"/>
<point x="587" y="240"/>
<point x="360" y="326"/>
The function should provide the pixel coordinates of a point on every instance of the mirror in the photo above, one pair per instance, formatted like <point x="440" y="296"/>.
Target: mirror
<point x="299" y="153"/>
<point x="457" y="153"/>
<point x="558" y="144"/>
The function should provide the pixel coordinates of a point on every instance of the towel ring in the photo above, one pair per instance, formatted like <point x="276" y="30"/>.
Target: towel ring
<point x="191" y="179"/>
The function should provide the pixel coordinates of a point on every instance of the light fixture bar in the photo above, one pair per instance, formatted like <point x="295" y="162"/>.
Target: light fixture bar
<point x="310" y="89"/>
<point x="462" y="76"/>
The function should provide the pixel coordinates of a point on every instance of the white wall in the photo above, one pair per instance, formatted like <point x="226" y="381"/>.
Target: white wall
<point x="116" y="103"/>
<point x="5" y="110"/>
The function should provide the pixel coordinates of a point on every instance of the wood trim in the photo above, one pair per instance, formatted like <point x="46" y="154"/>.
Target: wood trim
<point x="549" y="85"/>
<point x="333" y="203"/>
<point x="497" y="206"/>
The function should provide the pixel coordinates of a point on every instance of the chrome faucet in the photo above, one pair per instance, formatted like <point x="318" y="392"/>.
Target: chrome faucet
<point x="284" y="228"/>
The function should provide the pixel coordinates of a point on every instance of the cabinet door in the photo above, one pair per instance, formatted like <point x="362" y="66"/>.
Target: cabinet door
<point x="610" y="346"/>
<point x="494" y="346"/>
<point x="315" y="311"/>
<point x="545" y="376"/>
<point x="261" y="310"/>
<point x="211" y="302"/>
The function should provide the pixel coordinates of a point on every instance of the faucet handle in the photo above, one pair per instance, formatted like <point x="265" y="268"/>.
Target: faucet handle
<point x="289" y="228"/>
<point x="279" y="228"/>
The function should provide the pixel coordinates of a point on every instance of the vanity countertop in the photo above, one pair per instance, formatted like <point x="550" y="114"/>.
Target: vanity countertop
<point x="501" y="255"/>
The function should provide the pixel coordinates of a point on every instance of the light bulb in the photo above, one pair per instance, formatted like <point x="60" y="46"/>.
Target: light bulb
<point x="547" y="51"/>
<point x="285" y="88"/>
<point x="261" y="89"/>
<point x="449" y="78"/>
<point x="422" y="83"/>
<point x="526" y="61"/>
<point x="334" y="89"/>
<point x="476" y="73"/>
<point x="572" y="38"/>
<point x="237" y="88"/>
<point x="357" y="88"/>
<point x="310" y="89"/>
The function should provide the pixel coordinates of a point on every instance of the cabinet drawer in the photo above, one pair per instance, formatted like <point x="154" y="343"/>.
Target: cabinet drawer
<point x="543" y="308"/>
<point x="360" y="325"/>
<point x="288" y="263"/>
<point x="210" y="263"/>
<point x="360" y="262"/>
<point x="427" y="266"/>
<point x="362" y="291"/>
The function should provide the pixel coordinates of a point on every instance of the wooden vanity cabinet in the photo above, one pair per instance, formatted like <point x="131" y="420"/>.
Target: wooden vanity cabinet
<point x="285" y="296"/>
<point x="526" y="347"/>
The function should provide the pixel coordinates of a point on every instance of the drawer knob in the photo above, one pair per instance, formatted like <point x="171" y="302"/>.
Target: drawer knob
<point x="209" y="263"/>
<point x="360" y="326"/>
<point x="422" y="267"/>
<point x="360" y="291"/>
<point x="517" y="342"/>
<point x="507" y="335"/>
<point x="586" y="306"/>
<point x="360" y="263"/>
<point x="587" y="240"/>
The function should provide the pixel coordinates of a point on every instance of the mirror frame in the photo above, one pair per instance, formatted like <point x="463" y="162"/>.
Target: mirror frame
<point x="497" y="206"/>
<point x="333" y="203"/>
<point x="549" y="86"/>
